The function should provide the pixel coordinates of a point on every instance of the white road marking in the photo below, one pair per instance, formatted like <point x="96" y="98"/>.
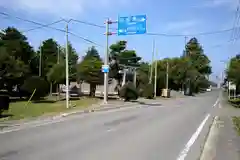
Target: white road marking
<point x="187" y="147"/>
<point x="194" y="137"/>
<point x="215" y="104"/>
<point x="33" y="126"/>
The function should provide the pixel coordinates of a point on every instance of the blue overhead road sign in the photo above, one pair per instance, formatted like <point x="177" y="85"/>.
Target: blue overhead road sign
<point x="132" y="25"/>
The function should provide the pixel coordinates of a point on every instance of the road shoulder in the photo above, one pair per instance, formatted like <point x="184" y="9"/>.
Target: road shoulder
<point x="222" y="142"/>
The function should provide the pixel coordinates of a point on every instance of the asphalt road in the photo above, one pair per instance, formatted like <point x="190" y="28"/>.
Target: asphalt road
<point x="166" y="131"/>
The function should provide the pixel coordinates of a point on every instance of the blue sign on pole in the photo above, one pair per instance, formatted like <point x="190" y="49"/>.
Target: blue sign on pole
<point x="105" y="68"/>
<point x="132" y="25"/>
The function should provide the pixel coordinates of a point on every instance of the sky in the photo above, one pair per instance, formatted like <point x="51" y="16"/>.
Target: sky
<point x="172" y="17"/>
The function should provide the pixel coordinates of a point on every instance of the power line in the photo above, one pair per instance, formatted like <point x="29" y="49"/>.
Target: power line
<point x="48" y="26"/>
<point x="235" y="23"/>
<point x="102" y="26"/>
<point x="88" y="23"/>
<point x="226" y="43"/>
<point x="159" y="34"/>
<point x="92" y="24"/>
<point x="43" y="26"/>
<point x="197" y="34"/>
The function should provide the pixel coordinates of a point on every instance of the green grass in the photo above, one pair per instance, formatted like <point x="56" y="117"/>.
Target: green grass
<point x="236" y="122"/>
<point x="24" y="110"/>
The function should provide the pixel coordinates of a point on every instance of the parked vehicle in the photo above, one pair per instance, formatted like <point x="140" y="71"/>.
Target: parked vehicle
<point x="208" y="89"/>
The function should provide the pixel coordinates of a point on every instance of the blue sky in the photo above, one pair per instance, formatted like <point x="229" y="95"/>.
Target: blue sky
<point x="163" y="16"/>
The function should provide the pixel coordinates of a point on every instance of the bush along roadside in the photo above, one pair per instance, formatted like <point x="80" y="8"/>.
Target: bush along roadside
<point x="129" y="92"/>
<point x="235" y="102"/>
<point x="4" y="101"/>
<point x="236" y="122"/>
<point x="149" y="92"/>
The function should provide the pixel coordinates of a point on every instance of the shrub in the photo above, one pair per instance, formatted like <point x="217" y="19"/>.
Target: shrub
<point x="38" y="83"/>
<point x="236" y="122"/>
<point x="235" y="102"/>
<point x="129" y="92"/>
<point x="4" y="101"/>
<point x="149" y="91"/>
<point x="140" y="92"/>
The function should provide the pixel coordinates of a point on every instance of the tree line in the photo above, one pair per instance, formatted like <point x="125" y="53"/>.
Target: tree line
<point x="189" y="71"/>
<point x="25" y="70"/>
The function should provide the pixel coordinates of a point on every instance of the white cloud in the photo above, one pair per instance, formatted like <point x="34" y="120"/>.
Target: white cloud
<point x="181" y="26"/>
<point x="60" y="8"/>
<point x="232" y="4"/>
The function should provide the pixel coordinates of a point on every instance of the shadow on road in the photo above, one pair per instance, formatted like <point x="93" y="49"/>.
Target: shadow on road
<point x="147" y="104"/>
<point x="5" y="115"/>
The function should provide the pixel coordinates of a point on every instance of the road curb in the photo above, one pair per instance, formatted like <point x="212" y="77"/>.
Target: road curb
<point x="94" y="108"/>
<point x="63" y="115"/>
<point x="97" y="109"/>
<point x="209" y="149"/>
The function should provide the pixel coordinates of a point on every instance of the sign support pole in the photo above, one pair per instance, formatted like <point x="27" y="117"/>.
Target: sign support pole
<point x="123" y="29"/>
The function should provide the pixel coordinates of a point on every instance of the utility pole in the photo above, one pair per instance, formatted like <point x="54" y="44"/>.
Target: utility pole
<point x="151" y="72"/>
<point x="185" y="54"/>
<point x="107" y="23"/>
<point x="155" y="82"/>
<point x="106" y="63"/>
<point x="135" y="77"/>
<point x="58" y="56"/>
<point x="167" y="76"/>
<point x="58" y="61"/>
<point x="40" y="61"/>
<point x="67" y="76"/>
<point x="185" y="39"/>
<point x="185" y="47"/>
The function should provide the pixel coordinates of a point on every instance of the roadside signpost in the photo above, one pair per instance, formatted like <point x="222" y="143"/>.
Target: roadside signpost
<point x="128" y="25"/>
<point x="231" y="87"/>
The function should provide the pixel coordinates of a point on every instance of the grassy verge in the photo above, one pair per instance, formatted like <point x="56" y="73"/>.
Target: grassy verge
<point x="236" y="122"/>
<point x="24" y="110"/>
